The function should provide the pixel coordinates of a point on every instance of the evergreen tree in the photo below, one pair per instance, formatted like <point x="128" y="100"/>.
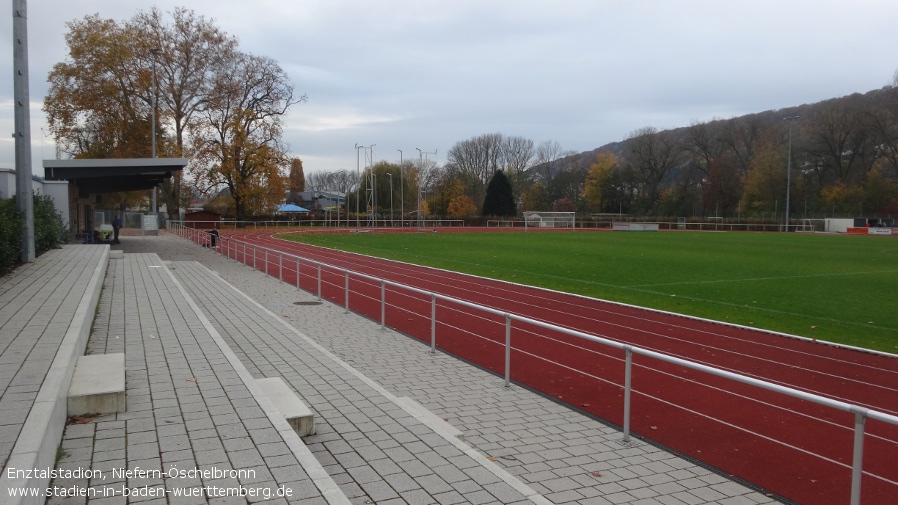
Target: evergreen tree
<point x="499" y="200"/>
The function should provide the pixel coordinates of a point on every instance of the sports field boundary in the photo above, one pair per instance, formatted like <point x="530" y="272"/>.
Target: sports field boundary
<point x="622" y="304"/>
<point x="370" y="292"/>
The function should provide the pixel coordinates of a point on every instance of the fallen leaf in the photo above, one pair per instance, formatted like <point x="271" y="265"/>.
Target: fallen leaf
<point x="654" y="427"/>
<point x="596" y="474"/>
<point x="192" y="379"/>
<point x="491" y="458"/>
<point x="584" y="405"/>
<point x="82" y="419"/>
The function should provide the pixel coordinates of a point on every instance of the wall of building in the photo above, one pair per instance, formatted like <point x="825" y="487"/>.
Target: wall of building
<point x="58" y="191"/>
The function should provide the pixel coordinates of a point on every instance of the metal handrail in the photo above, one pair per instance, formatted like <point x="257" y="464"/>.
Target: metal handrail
<point x="860" y="413"/>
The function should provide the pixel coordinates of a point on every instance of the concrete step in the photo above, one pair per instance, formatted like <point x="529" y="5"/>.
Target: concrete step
<point x="298" y="415"/>
<point x="98" y="385"/>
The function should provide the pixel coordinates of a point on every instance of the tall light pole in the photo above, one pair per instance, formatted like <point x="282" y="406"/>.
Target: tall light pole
<point x="420" y="167"/>
<point x="154" y="51"/>
<point x="789" y="169"/>
<point x="390" y="175"/>
<point x="358" y="180"/>
<point x="373" y="214"/>
<point x="401" y="194"/>
<point x="22" y="132"/>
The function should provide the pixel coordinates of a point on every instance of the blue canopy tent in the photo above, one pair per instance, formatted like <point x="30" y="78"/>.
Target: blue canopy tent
<point x="289" y="207"/>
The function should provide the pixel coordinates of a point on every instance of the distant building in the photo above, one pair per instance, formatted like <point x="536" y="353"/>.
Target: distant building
<point x="318" y="201"/>
<point x="201" y="219"/>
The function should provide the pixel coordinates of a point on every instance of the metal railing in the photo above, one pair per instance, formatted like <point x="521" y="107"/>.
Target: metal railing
<point x="593" y="224"/>
<point x="343" y="224"/>
<point x="241" y="250"/>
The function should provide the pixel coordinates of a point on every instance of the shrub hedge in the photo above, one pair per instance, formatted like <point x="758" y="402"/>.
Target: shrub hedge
<point x="49" y="231"/>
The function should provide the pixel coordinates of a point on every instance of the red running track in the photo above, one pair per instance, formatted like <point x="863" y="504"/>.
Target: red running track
<point x="791" y="447"/>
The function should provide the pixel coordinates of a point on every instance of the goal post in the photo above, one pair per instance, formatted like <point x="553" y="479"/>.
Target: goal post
<point x="537" y="219"/>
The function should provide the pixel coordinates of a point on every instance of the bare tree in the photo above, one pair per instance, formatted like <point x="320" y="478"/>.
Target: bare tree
<point x="547" y="155"/>
<point x="651" y="155"/>
<point x="188" y="54"/>
<point x="842" y="138"/>
<point x="702" y="142"/>
<point x="740" y="137"/>
<point x="517" y="156"/>
<point x="238" y="142"/>
<point x="476" y="158"/>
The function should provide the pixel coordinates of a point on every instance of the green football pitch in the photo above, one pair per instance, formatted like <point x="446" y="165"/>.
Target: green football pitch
<point x="831" y="287"/>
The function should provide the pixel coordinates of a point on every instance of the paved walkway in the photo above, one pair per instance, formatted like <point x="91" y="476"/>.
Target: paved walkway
<point x="196" y="328"/>
<point x="45" y="313"/>
<point x="562" y="455"/>
<point x="190" y="405"/>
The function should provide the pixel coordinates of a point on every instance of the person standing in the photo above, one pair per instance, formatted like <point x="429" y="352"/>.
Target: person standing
<point x="116" y="226"/>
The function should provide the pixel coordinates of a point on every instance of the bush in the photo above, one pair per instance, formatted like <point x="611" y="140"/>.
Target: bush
<point x="49" y="232"/>
<point x="10" y="234"/>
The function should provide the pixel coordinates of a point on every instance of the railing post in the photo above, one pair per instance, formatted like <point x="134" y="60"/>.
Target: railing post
<point x="383" y="305"/>
<point x="347" y="291"/>
<point x="319" y="282"/>
<point x="433" y="323"/>
<point x="507" y="350"/>
<point x="857" y="466"/>
<point x="628" y="376"/>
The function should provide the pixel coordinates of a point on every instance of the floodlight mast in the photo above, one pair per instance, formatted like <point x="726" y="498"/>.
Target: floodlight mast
<point x="22" y="132"/>
<point x="789" y="169"/>
<point x="155" y="52"/>
<point x="358" y="180"/>
<point x="420" y="167"/>
<point x="401" y="194"/>
<point x="372" y="200"/>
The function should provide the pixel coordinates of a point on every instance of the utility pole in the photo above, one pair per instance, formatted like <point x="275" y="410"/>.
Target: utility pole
<point x="24" y="198"/>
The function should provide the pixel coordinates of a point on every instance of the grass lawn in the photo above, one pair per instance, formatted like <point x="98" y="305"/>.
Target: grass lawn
<point x="831" y="287"/>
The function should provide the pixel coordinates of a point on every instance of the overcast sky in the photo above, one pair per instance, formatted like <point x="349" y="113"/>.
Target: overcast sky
<point x="407" y="74"/>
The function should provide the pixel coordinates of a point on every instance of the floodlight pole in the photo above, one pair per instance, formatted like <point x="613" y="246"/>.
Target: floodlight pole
<point x="390" y="175"/>
<point x="401" y="194"/>
<point x="358" y="179"/>
<point x="24" y="193"/>
<point x="420" y="167"/>
<point x="154" y="51"/>
<point x="789" y="169"/>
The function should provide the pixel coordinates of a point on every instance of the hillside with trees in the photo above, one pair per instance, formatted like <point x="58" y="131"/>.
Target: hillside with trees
<point x="843" y="156"/>
<point x="844" y="159"/>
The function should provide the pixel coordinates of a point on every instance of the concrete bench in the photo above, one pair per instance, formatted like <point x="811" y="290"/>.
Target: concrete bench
<point x="298" y="415"/>
<point x="98" y="385"/>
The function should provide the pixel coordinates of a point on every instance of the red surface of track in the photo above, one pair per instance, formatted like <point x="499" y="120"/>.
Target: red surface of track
<point x="792" y="447"/>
